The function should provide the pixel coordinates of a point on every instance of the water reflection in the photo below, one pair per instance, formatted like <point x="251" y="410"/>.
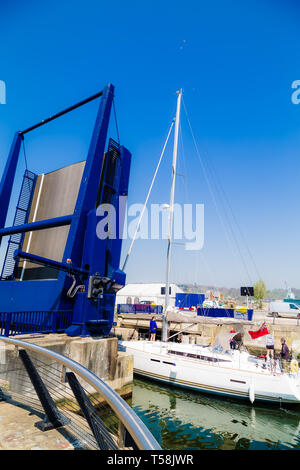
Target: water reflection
<point x="187" y="420"/>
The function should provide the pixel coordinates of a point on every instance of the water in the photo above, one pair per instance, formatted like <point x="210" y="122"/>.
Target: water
<point x="181" y="419"/>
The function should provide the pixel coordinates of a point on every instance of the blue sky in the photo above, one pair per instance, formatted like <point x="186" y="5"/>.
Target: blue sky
<point x="236" y="62"/>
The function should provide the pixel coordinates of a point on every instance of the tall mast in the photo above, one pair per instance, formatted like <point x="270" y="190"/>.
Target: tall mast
<point x="171" y="216"/>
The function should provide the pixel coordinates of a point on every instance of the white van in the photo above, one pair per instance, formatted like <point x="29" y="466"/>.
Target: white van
<point x="284" y="309"/>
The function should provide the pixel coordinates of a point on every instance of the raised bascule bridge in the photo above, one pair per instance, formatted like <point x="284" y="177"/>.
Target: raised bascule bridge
<point x="57" y="300"/>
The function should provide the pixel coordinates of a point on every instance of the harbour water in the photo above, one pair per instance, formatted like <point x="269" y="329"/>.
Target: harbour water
<point x="181" y="419"/>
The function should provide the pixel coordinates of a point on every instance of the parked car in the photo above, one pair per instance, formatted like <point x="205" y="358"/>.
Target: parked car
<point x="284" y="309"/>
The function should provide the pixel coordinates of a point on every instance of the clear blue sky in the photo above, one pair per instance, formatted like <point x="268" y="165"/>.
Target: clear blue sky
<point x="236" y="62"/>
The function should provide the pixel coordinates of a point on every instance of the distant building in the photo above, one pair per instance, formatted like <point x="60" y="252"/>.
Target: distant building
<point x="152" y="292"/>
<point x="290" y="294"/>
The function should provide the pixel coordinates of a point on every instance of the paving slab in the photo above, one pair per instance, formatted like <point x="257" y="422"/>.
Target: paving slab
<point x="18" y="431"/>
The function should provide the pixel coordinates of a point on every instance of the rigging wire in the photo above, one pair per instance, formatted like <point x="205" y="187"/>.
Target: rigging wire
<point x="208" y="266"/>
<point x="148" y="195"/>
<point x="200" y="253"/>
<point x="184" y="164"/>
<point x="209" y="185"/>
<point x="239" y="229"/>
<point x="236" y="242"/>
<point x="220" y="188"/>
<point x="185" y="186"/>
<point x="184" y="172"/>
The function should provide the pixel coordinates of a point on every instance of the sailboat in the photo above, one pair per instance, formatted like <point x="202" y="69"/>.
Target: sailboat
<point x="215" y="368"/>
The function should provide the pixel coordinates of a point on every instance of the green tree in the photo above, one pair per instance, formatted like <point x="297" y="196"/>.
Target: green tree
<point x="260" y="292"/>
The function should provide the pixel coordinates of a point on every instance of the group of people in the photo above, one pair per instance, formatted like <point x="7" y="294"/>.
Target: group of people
<point x="284" y="353"/>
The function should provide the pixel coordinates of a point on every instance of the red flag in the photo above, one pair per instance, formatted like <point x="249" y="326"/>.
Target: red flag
<point x="257" y="334"/>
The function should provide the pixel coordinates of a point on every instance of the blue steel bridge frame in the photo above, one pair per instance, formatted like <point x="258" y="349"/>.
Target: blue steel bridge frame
<point x="88" y="260"/>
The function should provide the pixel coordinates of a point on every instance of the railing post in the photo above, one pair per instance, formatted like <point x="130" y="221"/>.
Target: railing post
<point x="53" y="418"/>
<point x="8" y="324"/>
<point x="121" y="435"/>
<point x="98" y="428"/>
<point x="124" y="438"/>
<point x="143" y="438"/>
<point x="54" y="322"/>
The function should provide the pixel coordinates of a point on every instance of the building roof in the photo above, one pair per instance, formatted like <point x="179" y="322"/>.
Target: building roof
<point x="144" y="289"/>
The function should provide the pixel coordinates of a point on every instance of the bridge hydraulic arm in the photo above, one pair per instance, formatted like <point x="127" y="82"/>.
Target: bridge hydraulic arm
<point x="39" y="225"/>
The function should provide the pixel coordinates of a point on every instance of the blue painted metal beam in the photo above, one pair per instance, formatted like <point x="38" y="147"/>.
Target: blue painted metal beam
<point x="87" y="196"/>
<point x="114" y="246"/>
<point x="8" y="178"/>
<point x="61" y="113"/>
<point x="66" y="267"/>
<point x="39" y="225"/>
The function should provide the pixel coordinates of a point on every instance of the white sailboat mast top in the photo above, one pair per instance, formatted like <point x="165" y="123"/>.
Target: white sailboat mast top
<point x="171" y="215"/>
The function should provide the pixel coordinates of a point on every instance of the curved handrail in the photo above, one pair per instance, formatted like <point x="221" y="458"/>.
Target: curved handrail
<point x="137" y="429"/>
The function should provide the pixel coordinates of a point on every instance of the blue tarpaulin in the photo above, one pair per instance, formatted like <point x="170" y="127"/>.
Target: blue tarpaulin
<point x="224" y="312"/>
<point x="189" y="300"/>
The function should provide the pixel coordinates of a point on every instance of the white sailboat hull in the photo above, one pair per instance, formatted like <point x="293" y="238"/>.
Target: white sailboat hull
<point x="220" y="374"/>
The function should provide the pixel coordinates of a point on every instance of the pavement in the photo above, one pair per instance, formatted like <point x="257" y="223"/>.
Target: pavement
<point x="18" y="431"/>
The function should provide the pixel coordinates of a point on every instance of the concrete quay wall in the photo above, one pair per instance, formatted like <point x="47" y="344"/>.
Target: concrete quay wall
<point x="99" y="355"/>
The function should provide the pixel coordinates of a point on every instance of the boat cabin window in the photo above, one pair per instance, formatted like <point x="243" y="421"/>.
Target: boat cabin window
<point x="198" y="356"/>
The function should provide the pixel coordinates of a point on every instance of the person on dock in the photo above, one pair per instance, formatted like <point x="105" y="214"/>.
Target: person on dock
<point x="284" y="354"/>
<point x="153" y="328"/>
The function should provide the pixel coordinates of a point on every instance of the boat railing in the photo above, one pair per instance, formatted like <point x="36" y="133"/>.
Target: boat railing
<point x="288" y="366"/>
<point x="68" y="395"/>
<point x="278" y="366"/>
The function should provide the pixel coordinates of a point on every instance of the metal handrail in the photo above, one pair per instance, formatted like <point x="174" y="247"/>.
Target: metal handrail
<point x="137" y="429"/>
